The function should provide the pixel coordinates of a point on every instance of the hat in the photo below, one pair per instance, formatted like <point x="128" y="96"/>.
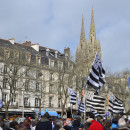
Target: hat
<point x="121" y="122"/>
<point x="68" y="119"/>
<point x="95" y="126"/>
<point x="89" y="119"/>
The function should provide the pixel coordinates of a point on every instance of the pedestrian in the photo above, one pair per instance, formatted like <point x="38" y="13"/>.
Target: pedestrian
<point x="58" y="125"/>
<point x="44" y="123"/>
<point x="13" y="125"/>
<point x="21" y="127"/>
<point x="122" y="124"/>
<point x="27" y="124"/>
<point x="68" y="124"/>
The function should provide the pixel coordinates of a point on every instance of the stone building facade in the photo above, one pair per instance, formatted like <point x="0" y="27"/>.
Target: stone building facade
<point x="33" y="77"/>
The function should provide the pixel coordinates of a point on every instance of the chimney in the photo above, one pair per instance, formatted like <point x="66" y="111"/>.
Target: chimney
<point x="56" y="52"/>
<point x="67" y="53"/>
<point x="35" y="46"/>
<point x="11" y="40"/>
<point x="47" y="52"/>
<point x="28" y="43"/>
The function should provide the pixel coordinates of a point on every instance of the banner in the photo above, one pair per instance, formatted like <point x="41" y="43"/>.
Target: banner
<point x="129" y="88"/>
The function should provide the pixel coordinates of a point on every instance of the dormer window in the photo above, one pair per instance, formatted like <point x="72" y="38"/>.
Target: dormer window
<point x="38" y="60"/>
<point x="6" y="55"/>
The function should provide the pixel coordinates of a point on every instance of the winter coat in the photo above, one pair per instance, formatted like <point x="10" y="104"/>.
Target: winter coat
<point x="44" y="124"/>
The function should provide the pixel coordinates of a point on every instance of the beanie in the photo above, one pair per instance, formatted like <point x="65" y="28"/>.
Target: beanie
<point x="95" y="126"/>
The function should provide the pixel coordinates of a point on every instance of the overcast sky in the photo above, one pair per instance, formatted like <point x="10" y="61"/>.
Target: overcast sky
<point x="57" y="24"/>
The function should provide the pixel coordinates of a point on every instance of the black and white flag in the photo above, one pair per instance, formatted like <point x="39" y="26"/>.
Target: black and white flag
<point x="94" y="112"/>
<point x="95" y="102"/>
<point x="96" y="77"/>
<point x="115" y="104"/>
<point x="72" y="95"/>
<point x="81" y="106"/>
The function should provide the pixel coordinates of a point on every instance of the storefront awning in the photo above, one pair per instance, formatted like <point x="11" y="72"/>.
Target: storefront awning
<point x="53" y="113"/>
<point x="42" y="113"/>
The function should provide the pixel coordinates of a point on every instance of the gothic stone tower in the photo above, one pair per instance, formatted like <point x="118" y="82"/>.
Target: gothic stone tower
<point x="86" y="50"/>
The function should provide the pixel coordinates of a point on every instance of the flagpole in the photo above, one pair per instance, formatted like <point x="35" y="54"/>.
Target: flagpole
<point x="71" y="110"/>
<point x="108" y="104"/>
<point x="84" y="108"/>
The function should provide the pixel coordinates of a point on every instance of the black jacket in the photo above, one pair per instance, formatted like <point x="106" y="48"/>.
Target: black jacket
<point x="44" y="124"/>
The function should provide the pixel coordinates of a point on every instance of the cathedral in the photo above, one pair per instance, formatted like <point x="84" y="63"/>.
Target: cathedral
<point x="86" y="50"/>
<point x="84" y="57"/>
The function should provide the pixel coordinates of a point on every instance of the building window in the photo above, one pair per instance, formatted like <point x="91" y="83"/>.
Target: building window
<point x="38" y="61"/>
<point x="59" y="89"/>
<point x="59" y="102"/>
<point x="37" y="86"/>
<point x="14" y="100"/>
<point x="51" y="76"/>
<point x="50" y="101"/>
<point x="27" y="73"/>
<point x="4" y="82"/>
<point x="50" y="88"/>
<point x="51" y="64"/>
<point x="36" y="102"/>
<point x="14" y="84"/>
<point x="5" y="69"/>
<point x="26" y="102"/>
<point x="60" y="65"/>
<point x="26" y="85"/>
<point x="28" y="59"/>
<point x="15" y="69"/>
<point x="6" y="55"/>
<point x="5" y="97"/>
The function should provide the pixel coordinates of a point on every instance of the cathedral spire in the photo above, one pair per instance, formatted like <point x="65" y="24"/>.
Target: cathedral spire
<point x="92" y="27"/>
<point x="82" y="35"/>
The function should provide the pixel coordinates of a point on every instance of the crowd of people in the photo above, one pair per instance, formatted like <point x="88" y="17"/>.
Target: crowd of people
<point x="47" y="123"/>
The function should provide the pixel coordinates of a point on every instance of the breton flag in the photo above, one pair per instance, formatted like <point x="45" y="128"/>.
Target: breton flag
<point x="115" y="104"/>
<point x="95" y="102"/>
<point x="96" y="77"/>
<point x="72" y="95"/>
<point x="81" y="106"/>
<point x="94" y="112"/>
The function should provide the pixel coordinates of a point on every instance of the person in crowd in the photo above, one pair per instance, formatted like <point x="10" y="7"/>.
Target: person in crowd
<point x="95" y="125"/>
<point x="75" y="125"/>
<point x="127" y="120"/>
<point x="27" y="124"/>
<point x="114" y="123"/>
<point x="58" y="125"/>
<point x="44" y="123"/>
<point x="87" y="125"/>
<point x="21" y="127"/>
<point x="13" y="125"/>
<point x="2" y="124"/>
<point x="68" y="124"/>
<point x="34" y="124"/>
<point x="106" y="124"/>
<point x="122" y="124"/>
